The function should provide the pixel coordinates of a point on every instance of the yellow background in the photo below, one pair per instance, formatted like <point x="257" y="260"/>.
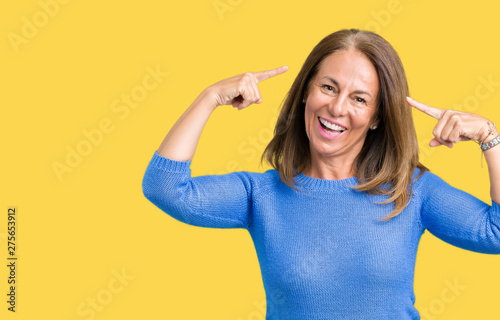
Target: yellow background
<point x="76" y="233"/>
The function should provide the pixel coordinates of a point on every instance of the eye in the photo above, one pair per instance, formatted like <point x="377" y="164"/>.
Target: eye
<point x="328" y="87"/>
<point x="360" y="100"/>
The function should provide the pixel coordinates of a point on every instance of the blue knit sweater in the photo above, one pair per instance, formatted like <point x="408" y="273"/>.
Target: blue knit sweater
<point x="322" y="252"/>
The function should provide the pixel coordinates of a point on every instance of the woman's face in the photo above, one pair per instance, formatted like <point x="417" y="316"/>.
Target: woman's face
<point x="341" y="102"/>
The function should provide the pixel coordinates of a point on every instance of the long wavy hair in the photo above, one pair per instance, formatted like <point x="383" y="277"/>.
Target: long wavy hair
<point x="389" y="155"/>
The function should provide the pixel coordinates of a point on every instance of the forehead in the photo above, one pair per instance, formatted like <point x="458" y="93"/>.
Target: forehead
<point x="349" y="68"/>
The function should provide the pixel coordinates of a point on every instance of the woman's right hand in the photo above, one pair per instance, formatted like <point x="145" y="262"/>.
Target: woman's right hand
<point x="241" y="90"/>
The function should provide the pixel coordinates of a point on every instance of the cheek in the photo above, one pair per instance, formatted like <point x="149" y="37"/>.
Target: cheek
<point x="308" y="118"/>
<point x="314" y="103"/>
<point x="316" y="100"/>
<point x="358" y="115"/>
<point x="360" y="118"/>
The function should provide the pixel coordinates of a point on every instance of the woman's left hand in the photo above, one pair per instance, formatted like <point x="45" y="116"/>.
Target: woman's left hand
<point x="454" y="126"/>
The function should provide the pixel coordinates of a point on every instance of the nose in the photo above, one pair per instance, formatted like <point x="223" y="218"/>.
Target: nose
<point x="338" y="106"/>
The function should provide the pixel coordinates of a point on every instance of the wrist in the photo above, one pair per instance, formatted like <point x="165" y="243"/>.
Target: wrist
<point x="209" y="98"/>
<point x="490" y="137"/>
<point x="488" y="133"/>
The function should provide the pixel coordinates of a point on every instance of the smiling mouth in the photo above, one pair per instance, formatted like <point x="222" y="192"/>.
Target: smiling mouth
<point x="330" y="128"/>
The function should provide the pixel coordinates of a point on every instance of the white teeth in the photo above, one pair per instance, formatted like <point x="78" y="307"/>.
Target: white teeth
<point x="330" y="125"/>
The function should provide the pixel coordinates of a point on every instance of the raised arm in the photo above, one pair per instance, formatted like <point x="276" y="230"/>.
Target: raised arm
<point x="240" y="91"/>
<point x="455" y="126"/>
<point x="451" y="214"/>
<point x="217" y="201"/>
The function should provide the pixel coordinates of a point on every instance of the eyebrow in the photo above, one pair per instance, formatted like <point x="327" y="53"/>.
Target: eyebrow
<point x="337" y="84"/>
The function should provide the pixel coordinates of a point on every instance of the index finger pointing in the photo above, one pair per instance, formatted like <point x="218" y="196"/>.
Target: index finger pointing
<point x="431" y="111"/>
<point x="263" y="75"/>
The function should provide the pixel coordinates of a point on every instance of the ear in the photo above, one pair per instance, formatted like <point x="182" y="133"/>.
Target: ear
<point x="375" y="119"/>
<point x="306" y="91"/>
<point x="304" y="97"/>
<point x="374" y="125"/>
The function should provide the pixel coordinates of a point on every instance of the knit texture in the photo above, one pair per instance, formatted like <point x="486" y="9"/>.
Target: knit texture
<point x="323" y="253"/>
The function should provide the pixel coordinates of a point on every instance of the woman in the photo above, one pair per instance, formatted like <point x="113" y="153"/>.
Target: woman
<point x="337" y="222"/>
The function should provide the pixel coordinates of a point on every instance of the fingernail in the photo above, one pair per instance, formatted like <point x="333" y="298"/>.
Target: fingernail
<point x="409" y="98"/>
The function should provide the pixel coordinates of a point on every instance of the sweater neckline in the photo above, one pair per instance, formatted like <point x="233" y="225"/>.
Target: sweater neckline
<point x="306" y="182"/>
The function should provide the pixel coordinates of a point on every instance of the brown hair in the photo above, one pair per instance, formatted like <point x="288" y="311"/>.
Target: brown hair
<point x="389" y="154"/>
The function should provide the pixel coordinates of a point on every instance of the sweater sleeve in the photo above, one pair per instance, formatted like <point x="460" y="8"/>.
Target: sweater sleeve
<point x="212" y="201"/>
<point x="459" y="218"/>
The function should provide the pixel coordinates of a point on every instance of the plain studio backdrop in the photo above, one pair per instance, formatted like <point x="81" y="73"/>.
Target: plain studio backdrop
<point x="90" y="89"/>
